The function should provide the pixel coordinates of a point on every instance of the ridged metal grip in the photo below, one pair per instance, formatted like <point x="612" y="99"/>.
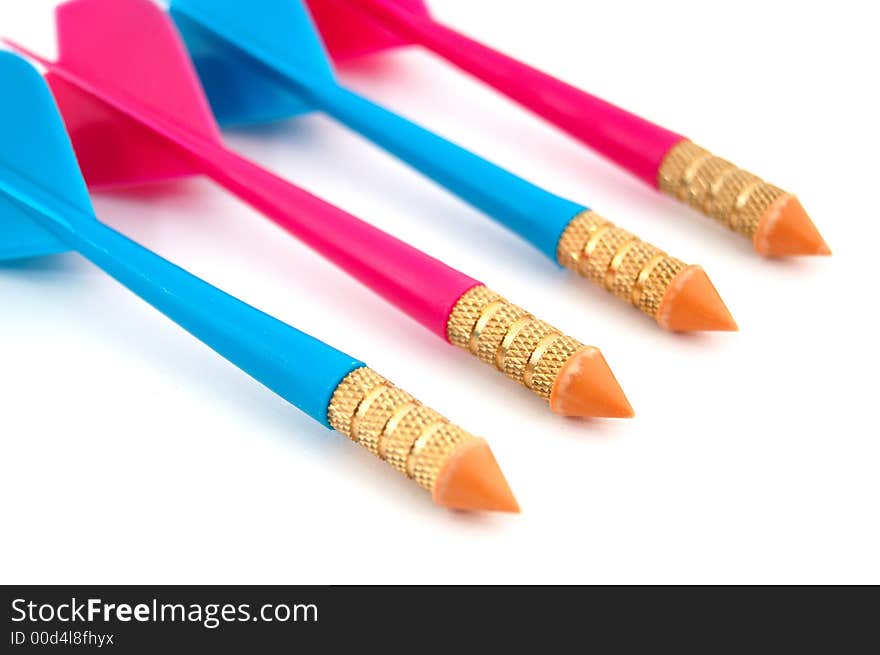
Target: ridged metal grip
<point x="503" y="335"/>
<point x="391" y="424"/>
<point x="617" y="260"/>
<point x="714" y="186"/>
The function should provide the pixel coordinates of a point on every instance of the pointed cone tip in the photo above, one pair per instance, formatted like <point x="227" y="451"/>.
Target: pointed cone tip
<point x="786" y="230"/>
<point x="472" y="480"/>
<point x="692" y="304"/>
<point x="586" y="388"/>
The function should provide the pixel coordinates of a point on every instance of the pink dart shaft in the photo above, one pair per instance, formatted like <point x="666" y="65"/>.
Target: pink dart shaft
<point x="628" y="140"/>
<point x="423" y="287"/>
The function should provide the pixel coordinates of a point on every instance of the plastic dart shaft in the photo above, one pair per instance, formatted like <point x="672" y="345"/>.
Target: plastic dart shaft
<point x="44" y="208"/>
<point x="771" y="218"/>
<point x="423" y="287"/>
<point x="263" y="60"/>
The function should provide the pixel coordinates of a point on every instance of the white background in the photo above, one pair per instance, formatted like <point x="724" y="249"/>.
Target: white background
<point x="131" y="453"/>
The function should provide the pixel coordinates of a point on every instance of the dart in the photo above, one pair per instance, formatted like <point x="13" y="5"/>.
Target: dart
<point x="773" y="219"/>
<point x="45" y="209"/>
<point x="136" y="113"/>
<point x="263" y="60"/>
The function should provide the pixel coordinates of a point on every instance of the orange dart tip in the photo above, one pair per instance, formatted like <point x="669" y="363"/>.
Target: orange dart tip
<point x="786" y="230"/>
<point x="691" y="304"/>
<point x="472" y="480"/>
<point x="586" y="388"/>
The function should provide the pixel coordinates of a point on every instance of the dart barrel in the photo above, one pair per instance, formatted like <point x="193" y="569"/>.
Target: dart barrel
<point x="618" y="261"/>
<point x="717" y="188"/>
<point x="574" y="378"/>
<point x="394" y="426"/>
<point x="503" y="335"/>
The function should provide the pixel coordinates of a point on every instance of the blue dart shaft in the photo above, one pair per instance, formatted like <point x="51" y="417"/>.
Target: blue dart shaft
<point x="296" y="366"/>
<point x="536" y="215"/>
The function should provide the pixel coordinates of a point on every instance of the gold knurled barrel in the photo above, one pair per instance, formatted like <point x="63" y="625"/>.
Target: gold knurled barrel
<point x="390" y="423"/>
<point x="617" y="260"/>
<point x="503" y="335"/>
<point x="717" y="188"/>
